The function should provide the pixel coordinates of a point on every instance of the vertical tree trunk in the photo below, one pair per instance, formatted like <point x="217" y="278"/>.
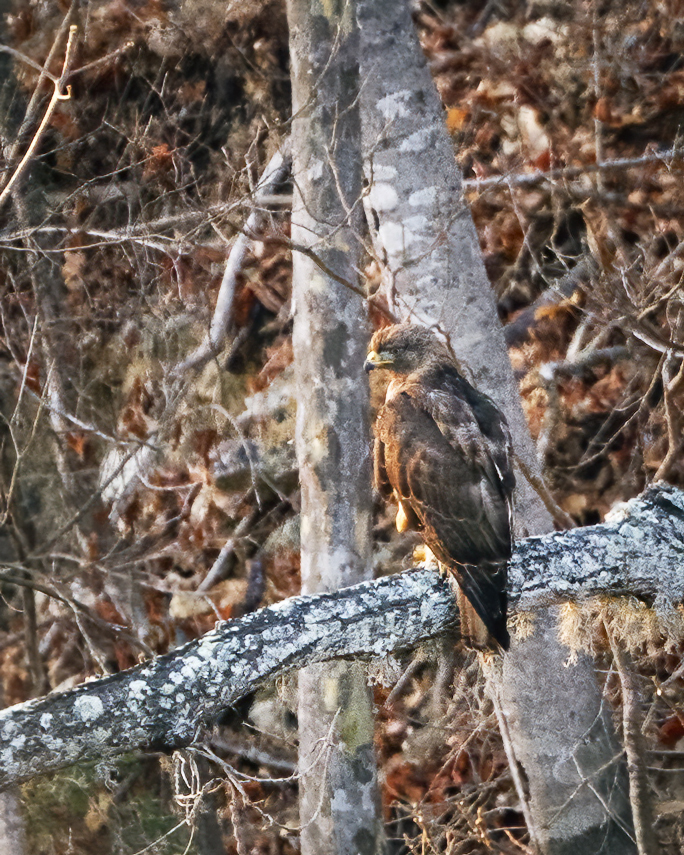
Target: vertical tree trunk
<point x="559" y="736"/>
<point x="339" y="808"/>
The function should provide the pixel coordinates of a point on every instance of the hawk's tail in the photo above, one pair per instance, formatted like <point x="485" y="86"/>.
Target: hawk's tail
<point x="483" y="606"/>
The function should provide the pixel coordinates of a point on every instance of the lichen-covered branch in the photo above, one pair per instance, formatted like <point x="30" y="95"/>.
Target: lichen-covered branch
<point x="638" y="551"/>
<point x="164" y="703"/>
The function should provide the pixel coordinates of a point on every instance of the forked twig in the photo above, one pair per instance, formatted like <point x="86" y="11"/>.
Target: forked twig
<point x="57" y="96"/>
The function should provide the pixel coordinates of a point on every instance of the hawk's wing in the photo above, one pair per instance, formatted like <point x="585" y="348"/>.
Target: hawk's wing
<point x="440" y="464"/>
<point x="474" y="425"/>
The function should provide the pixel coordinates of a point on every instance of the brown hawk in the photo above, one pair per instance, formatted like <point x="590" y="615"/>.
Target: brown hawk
<point x="443" y="450"/>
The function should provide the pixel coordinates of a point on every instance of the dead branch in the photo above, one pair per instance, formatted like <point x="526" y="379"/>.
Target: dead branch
<point x="220" y="568"/>
<point x="672" y="372"/>
<point x="33" y="106"/>
<point x="632" y="722"/>
<point x="276" y="172"/>
<point x="566" y="173"/>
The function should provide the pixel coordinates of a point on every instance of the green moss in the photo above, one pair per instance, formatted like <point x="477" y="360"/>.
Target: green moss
<point x="118" y="809"/>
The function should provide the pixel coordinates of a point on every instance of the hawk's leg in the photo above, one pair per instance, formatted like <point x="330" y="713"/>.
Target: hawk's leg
<point x="424" y="556"/>
<point x="402" y="521"/>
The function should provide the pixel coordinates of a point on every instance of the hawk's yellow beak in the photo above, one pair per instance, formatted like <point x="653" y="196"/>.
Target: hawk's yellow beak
<point x="376" y="360"/>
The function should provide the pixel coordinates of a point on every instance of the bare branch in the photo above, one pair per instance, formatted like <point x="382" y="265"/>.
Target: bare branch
<point x="567" y="173"/>
<point x="57" y="96"/>
<point x="635" y="749"/>
<point x="274" y="175"/>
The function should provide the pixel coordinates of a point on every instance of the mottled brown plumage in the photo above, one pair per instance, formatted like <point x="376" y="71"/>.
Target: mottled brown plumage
<point x="443" y="450"/>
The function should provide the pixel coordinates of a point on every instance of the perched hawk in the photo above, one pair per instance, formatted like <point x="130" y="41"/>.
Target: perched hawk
<point x="443" y="449"/>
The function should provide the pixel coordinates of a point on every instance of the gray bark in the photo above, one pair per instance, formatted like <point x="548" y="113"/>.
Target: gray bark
<point x="427" y="238"/>
<point x="338" y="796"/>
<point x="166" y="702"/>
<point x="425" y="231"/>
<point x="633" y="553"/>
<point x="12" y="830"/>
<point x="12" y="825"/>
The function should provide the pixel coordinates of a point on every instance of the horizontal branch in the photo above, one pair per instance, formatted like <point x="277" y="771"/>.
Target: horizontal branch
<point x="164" y="703"/>
<point x="567" y="173"/>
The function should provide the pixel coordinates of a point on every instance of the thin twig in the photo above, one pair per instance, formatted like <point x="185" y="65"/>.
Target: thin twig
<point x="596" y="69"/>
<point x="20" y="453"/>
<point x="490" y="666"/>
<point x="54" y="100"/>
<point x="27" y="59"/>
<point x="639" y="795"/>
<point x="33" y="658"/>
<point x="566" y="173"/>
<point x="103" y="60"/>
<point x="672" y="415"/>
<point x="145" y="232"/>
<point x="672" y="372"/>
<point x="539" y="485"/>
<point x="78" y="608"/>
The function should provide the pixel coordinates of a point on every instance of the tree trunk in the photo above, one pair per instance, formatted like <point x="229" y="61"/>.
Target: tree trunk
<point x="437" y="277"/>
<point x="339" y="805"/>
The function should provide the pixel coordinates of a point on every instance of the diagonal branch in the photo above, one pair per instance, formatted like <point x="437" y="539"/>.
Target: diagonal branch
<point x="165" y="702"/>
<point x="276" y="173"/>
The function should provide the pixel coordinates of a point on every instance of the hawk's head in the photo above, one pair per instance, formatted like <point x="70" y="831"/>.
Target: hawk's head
<point x="404" y="348"/>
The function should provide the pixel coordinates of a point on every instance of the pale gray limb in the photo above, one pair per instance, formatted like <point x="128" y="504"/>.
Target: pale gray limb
<point x="276" y="172"/>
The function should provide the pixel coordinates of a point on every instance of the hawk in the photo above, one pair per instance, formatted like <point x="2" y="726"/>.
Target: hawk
<point x="443" y="450"/>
